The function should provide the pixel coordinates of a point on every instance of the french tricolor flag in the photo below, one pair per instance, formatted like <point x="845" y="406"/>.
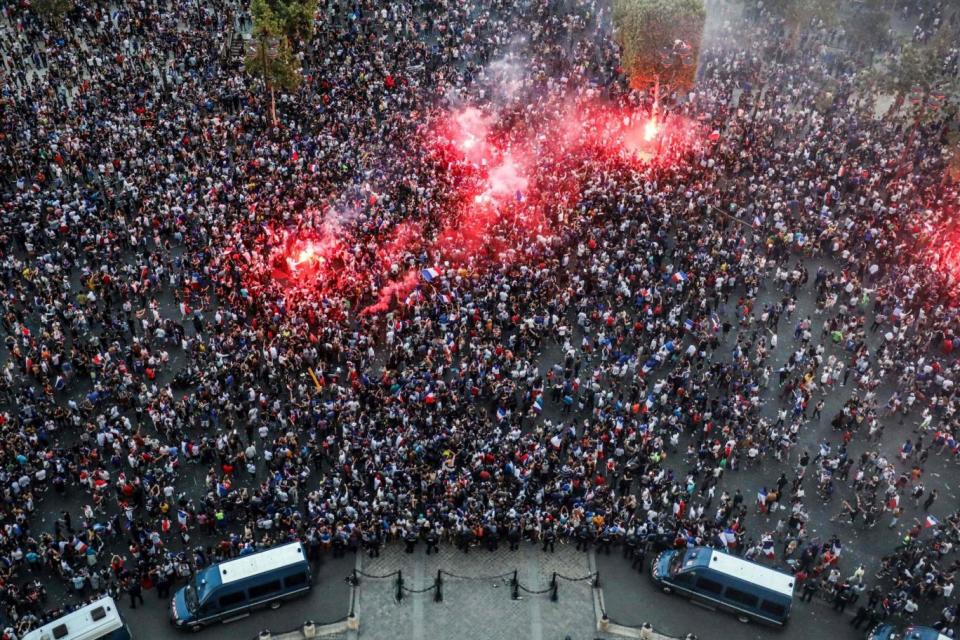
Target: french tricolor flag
<point x="430" y="274"/>
<point x="538" y="405"/>
<point x="930" y="521"/>
<point x="728" y="538"/>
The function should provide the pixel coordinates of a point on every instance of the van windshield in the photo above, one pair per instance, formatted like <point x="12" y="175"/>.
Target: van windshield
<point x="676" y="563"/>
<point x="190" y="595"/>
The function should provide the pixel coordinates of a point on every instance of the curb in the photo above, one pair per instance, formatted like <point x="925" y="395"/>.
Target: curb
<point x="306" y="631"/>
<point x="604" y="624"/>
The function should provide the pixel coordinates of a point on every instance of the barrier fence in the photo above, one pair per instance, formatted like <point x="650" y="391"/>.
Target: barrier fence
<point x="402" y="588"/>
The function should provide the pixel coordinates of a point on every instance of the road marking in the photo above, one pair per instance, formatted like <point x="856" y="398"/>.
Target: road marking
<point x="536" y="618"/>
<point x="418" y="632"/>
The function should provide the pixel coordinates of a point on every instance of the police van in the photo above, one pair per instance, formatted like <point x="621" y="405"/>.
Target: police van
<point x="890" y="632"/>
<point x="99" y="620"/>
<point x="231" y="590"/>
<point x="722" y="581"/>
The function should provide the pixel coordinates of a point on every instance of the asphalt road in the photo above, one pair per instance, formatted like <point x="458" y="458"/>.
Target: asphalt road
<point x="631" y="598"/>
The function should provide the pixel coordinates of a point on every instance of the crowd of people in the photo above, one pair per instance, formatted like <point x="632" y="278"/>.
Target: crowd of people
<point x="772" y="302"/>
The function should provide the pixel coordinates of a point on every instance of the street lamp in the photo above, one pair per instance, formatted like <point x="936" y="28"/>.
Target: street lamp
<point x="680" y="53"/>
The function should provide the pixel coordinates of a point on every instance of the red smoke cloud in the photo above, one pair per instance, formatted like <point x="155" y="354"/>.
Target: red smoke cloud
<point x="511" y="189"/>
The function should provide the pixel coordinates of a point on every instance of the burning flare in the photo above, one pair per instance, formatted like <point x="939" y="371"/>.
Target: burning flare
<point x="650" y="129"/>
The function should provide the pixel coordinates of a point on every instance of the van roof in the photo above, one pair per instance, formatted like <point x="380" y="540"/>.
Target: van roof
<point x="752" y="572"/>
<point x="94" y="620"/>
<point x="923" y="633"/>
<point x="260" y="562"/>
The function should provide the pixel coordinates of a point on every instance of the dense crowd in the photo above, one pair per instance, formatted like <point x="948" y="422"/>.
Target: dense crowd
<point x="597" y="389"/>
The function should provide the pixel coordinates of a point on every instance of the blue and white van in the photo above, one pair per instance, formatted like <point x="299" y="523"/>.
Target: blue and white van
<point x="99" y="620"/>
<point x="890" y="632"/>
<point x="231" y="590"/>
<point x="721" y="581"/>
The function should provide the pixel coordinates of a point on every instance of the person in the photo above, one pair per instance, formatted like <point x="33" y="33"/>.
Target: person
<point x="514" y="536"/>
<point x="910" y="607"/>
<point x="164" y="582"/>
<point x="371" y="538"/>
<point x="79" y="583"/>
<point x="465" y="538"/>
<point x="862" y="616"/>
<point x="432" y="540"/>
<point x="639" y="557"/>
<point x="549" y="539"/>
<point x="857" y="577"/>
<point x="606" y="539"/>
<point x="584" y="537"/>
<point x="810" y="587"/>
<point x="842" y="597"/>
<point x="135" y="591"/>
<point x="410" y="538"/>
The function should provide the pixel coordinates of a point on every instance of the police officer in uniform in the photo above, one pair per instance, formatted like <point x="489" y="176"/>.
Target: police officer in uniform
<point x="410" y="537"/>
<point x="549" y="538"/>
<point x="513" y="536"/>
<point x="584" y="536"/>
<point x="432" y="540"/>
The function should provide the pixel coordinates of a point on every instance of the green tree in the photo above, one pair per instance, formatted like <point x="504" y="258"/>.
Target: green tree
<point x="296" y="17"/>
<point x="270" y="56"/>
<point x="53" y="11"/>
<point x="647" y="28"/>
<point x="867" y="25"/>
<point x="798" y="14"/>
<point x="919" y="71"/>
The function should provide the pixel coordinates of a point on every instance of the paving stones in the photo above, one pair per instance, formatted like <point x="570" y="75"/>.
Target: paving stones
<point x="477" y="599"/>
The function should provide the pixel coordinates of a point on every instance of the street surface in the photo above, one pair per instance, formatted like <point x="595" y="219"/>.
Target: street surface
<point x="329" y="600"/>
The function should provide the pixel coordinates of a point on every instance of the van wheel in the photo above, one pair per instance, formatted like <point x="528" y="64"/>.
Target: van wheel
<point x="667" y="590"/>
<point x="195" y="628"/>
<point x="743" y="619"/>
<point x="275" y="604"/>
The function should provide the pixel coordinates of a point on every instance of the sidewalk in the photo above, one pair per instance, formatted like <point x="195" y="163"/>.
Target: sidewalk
<point x="477" y="595"/>
<point x="482" y="595"/>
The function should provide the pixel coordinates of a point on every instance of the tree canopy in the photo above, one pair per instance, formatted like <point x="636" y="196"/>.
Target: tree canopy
<point x="294" y="18"/>
<point x="52" y="10"/>
<point x="867" y="25"/>
<point x="646" y="28"/>
<point x="271" y="56"/>
<point x="797" y="14"/>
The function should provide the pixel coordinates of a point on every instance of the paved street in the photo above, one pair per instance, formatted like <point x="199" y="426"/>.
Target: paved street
<point x="477" y="603"/>
<point x="631" y="599"/>
<point x="328" y="601"/>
